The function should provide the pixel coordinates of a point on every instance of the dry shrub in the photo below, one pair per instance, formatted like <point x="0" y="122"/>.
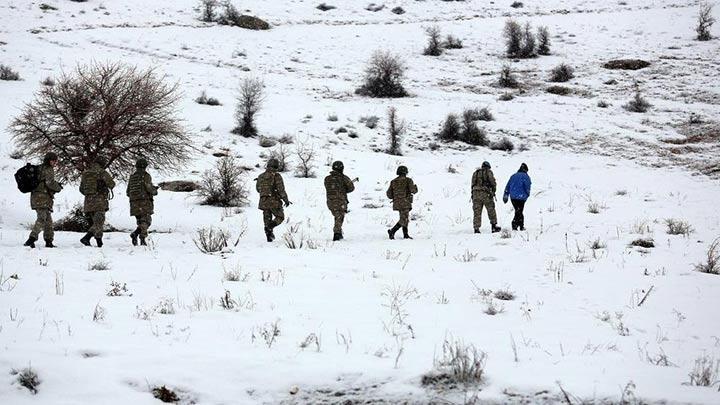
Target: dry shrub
<point x="705" y="20"/>
<point x="507" y="78"/>
<point x="711" y="265"/>
<point x="459" y="364"/>
<point x="224" y="185"/>
<point x="562" y="73"/>
<point x="434" y="46"/>
<point x="6" y="73"/>
<point x="678" y="227"/>
<point x="249" y="101"/>
<point x="211" y="240"/>
<point x="396" y="128"/>
<point x="384" y="74"/>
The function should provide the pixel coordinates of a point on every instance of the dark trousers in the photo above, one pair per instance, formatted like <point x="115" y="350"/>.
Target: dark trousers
<point x="519" y="219"/>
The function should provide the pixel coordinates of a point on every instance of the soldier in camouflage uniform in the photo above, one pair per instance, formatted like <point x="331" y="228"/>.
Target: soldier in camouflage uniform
<point x="337" y="187"/>
<point x="140" y="191"/>
<point x="483" y="195"/>
<point x="271" y="188"/>
<point x="401" y="192"/>
<point x="42" y="199"/>
<point x="96" y="185"/>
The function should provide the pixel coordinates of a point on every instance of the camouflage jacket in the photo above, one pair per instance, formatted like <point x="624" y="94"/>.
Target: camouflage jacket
<point x="337" y="187"/>
<point x="43" y="196"/>
<point x="98" y="201"/>
<point x="140" y="191"/>
<point x="271" y="188"/>
<point x="401" y="192"/>
<point x="483" y="184"/>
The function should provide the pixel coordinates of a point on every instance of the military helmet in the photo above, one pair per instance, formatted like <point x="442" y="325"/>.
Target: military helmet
<point x="273" y="164"/>
<point x="100" y="161"/>
<point x="486" y="165"/>
<point x="338" y="166"/>
<point x="402" y="170"/>
<point x="141" y="163"/>
<point x="50" y="156"/>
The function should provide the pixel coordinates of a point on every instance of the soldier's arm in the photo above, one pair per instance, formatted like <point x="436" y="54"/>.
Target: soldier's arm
<point x="413" y="187"/>
<point x="257" y="183"/>
<point x="390" y="193"/>
<point x="50" y="181"/>
<point x="473" y="181"/>
<point x="108" y="180"/>
<point x="493" y="183"/>
<point x="280" y="188"/>
<point x="127" y="189"/>
<point x="349" y="186"/>
<point x="149" y="186"/>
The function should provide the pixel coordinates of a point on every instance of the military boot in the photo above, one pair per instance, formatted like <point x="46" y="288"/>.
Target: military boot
<point x="99" y="242"/>
<point x="134" y="238"/>
<point x="405" y="233"/>
<point x="85" y="240"/>
<point x="142" y="241"/>
<point x="495" y="228"/>
<point x="30" y="242"/>
<point x="49" y="244"/>
<point x="391" y="231"/>
<point x="337" y="236"/>
<point x="477" y="230"/>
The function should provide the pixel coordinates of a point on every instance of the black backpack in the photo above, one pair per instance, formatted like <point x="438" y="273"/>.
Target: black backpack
<point x="28" y="178"/>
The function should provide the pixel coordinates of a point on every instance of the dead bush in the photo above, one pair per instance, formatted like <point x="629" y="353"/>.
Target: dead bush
<point x="678" y="227"/>
<point x="705" y="372"/>
<point x="370" y="121"/>
<point x="504" y="295"/>
<point x="638" y="104"/>
<point x="74" y="221"/>
<point x="398" y="10"/>
<point x="507" y="78"/>
<point x="211" y="240"/>
<point x="467" y="131"/>
<point x="384" y="75"/>
<point x="504" y="144"/>
<point x="626" y="64"/>
<point x="28" y="378"/>
<point x="282" y="155"/>
<point x="6" y="73"/>
<point x="517" y="4"/>
<point x="224" y="185"/>
<point x="711" y="265"/>
<point x="452" y="42"/>
<point x="306" y="155"/>
<point x="232" y="17"/>
<point x="165" y="394"/>
<point x="562" y="73"/>
<point x="543" y="38"/>
<point x="434" y="46"/>
<point x="207" y="10"/>
<point x="205" y="100"/>
<point x="396" y="128"/>
<point x="646" y="243"/>
<point x="458" y="364"/>
<point x="325" y="7"/>
<point x="479" y="114"/>
<point x="705" y="21"/>
<point x="113" y="110"/>
<point x="249" y="101"/>
<point x="267" y="142"/>
<point x="559" y="90"/>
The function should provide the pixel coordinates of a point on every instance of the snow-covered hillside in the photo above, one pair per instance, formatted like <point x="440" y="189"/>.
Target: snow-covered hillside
<point x="592" y="319"/>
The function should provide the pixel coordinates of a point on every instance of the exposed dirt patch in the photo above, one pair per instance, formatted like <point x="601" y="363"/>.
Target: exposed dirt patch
<point x="626" y="64"/>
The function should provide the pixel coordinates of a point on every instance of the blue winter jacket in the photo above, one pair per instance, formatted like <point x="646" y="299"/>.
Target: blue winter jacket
<point x="518" y="187"/>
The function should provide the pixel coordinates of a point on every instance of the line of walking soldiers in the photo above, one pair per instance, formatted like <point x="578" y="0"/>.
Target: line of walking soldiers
<point x="271" y="188"/>
<point x="96" y="185"/>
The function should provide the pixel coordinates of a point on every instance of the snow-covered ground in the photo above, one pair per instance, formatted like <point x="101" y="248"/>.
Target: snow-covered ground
<point x="576" y="323"/>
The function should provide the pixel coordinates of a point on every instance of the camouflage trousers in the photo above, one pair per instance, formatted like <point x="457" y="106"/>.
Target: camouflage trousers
<point x="97" y="223"/>
<point x="488" y="203"/>
<point x="273" y="217"/>
<point x="44" y="224"/>
<point x="143" y="223"/>
<point x="404" y="218"/>
<point x="339" y="216"/>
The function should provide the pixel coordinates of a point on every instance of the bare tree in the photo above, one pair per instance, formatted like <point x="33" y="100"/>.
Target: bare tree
<point x="396" y="129"/>
<point x="384" y="74"/>
<point x="207" y="10"/>
<point x="113" y="110"/>
<point x="704" y="22"/>
<point x="434" y="46"/>
<point x="281" y="153"/>
<point x="528" y="42"/>
<point x="513" y="34"/>
<point x="224" y="185"/>
<point x="306" y="155"/>
<point x="543" y="37"/>
<point x="249" y="102"/>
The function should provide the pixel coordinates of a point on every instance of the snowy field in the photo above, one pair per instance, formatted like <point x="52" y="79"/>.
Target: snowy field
<point x="593" y="320"/>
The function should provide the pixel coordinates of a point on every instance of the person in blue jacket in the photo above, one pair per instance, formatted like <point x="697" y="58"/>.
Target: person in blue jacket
<point x="518" y="189"/>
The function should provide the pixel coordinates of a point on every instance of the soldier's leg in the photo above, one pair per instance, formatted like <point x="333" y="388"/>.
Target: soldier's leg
<point x="48" y="231"/>
<point x="98" y="222"/>
<point x="339" y="219"/>
<point x="477" y="215"/>
<point x="490" y="205"/>
<point x="269" y="224"/>
<point x="278" y="216"/>
<point x="144" y="222"/>
<point x="39" y="224"/>
<point x="404" y="222"/>
<point x="519" y="206"/>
